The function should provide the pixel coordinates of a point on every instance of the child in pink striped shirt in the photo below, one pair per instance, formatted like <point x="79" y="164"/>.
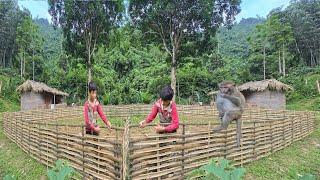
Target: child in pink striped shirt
<point x="167" y="111"/>
<point x="90" y="110"/>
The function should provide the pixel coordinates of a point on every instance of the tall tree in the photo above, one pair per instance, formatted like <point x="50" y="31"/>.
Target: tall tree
<point x="304" y="18"/>
<point x="10" y="17"/>
<point x="270" y="42"/>
<point x="29" y="44"/>
<point x="259" y="44"/>
<point x="85" y="24"/>
<point x="172" y="22"/>
<point x="280" y="35"/>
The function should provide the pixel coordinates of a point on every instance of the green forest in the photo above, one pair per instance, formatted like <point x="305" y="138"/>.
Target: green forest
<point x="131" y="50"/>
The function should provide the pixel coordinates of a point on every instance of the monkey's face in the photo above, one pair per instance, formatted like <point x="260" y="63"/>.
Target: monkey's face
<point x="226" y="88"/>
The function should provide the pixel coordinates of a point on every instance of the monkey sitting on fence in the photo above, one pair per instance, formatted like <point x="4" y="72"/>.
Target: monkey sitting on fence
<point x="230" y="105"/>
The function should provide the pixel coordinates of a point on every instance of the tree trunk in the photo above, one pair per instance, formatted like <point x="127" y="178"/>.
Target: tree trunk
<point x="264" y="63"/>
<point x="21" y="64"/>
<point x="24" y="65"/>
<point x="12" y="51"/>
<point x="178" y="90"/>
<point x="318" y="86"/>
<point x="33" y="69"/>
<point x="299" y="52"/>
<point x="89" y="55"/>
<point x="312" y="59"/>
<point x="4" y="59"/>
<point x="1" y="57"/>
<point x="283" y="62"/>
<point x="89" y="68"/>
<point x="174" y="72"/>
<point x="32" y="64"/>
<point x="280" y="68"/>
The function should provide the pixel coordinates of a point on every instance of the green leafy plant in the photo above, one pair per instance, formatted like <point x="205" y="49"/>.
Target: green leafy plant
<point x="9" y="177"/>
<point x="61" y="171"/>
<point x="220" y="170"/>
<point x="307" y="177"/>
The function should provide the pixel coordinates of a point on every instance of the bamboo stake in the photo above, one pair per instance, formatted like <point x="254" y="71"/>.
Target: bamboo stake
<point x="83" y="155"/>
<point x="183" y="144"/>
<point x="125" y="150"/>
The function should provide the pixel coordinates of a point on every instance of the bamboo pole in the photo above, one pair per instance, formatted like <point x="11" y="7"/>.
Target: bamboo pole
<point x="83" y="155"/>
<point x="183" y="144"/>
<point x="125" y="149"/>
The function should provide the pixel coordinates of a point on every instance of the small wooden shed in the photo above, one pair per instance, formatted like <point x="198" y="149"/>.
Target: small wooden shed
<point x="39" y="95"/>
<point x="269" y="93"/>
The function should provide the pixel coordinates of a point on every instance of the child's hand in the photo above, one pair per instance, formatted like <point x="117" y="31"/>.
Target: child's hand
<point x="109" y="125"/>
<point x="97" y="129"/>
<point x="160" y="129"/>
<point x="142" y="124"/>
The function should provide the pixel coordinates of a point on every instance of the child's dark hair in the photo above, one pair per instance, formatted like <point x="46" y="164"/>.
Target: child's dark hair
<point x="92" y="86"/>
<point x="166" y="93"/>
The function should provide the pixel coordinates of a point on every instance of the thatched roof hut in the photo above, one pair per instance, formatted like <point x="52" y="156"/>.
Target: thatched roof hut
<point x="39" y="87"/>
<point x="270" y="84"/>
<point x="268" y="93"/>
<point x="39" y="95"/>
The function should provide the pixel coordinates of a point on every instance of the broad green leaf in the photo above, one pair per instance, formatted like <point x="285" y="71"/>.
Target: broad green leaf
<point x="237" y="173"/>
<point x="308" y="177"/>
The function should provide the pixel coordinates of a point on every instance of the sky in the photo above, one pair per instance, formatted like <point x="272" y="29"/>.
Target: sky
<point x="252" y="8"/>
<point x="249" y="8"/>
<point x="38" y="8"/>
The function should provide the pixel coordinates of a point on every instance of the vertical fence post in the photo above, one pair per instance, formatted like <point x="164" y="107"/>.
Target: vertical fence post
<point x="254" y="140"/>
<point x="225" y="144"/>
<point x="57" y="140"/>
<point x="292" y="127"/>
<point x="158" y="156"/>
<point x="125" y="150"/>
<point x="16" y="132"/>
<point x="115" y="153"/>
<point x="20" y="132"/>
<point x="47" y="139"/>
<point x="83" y="156"/>
<point x="283" y="129"/>
<point x="11" y="127"/>
<point x="29" y="139"/>
<point x="309" y="129"/>
<point x="300" y="123"/>
<point x="39" y="142"/>
<point x="3" y="122"/>
<point x="183" y="144"/>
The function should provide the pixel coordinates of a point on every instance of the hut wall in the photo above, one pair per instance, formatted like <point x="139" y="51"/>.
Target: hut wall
<point x="267" y="99"/>
<point x="31" y="100"/>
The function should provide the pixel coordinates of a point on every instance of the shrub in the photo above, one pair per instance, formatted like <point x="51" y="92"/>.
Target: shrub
<point x="220" y="170"/>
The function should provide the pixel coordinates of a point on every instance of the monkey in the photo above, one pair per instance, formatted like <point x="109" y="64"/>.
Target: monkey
<point x="230" y="105"/>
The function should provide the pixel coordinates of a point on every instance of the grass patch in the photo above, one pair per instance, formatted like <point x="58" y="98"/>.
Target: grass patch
<point x="7" y="105"/>
<point x="300" y="158"/>
<point x="15" y="162"/>
<point x="305" y="104"/>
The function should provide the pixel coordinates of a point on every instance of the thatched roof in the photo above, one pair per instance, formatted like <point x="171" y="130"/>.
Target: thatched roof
<point x="270" y="84"/>
<point x="39" y="87"/>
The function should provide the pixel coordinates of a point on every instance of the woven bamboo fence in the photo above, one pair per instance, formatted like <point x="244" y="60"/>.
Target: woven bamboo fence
<point x="129" y="152"/>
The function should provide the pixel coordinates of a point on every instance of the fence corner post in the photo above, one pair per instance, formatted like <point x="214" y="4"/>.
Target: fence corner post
<point x="125" y="150"/>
